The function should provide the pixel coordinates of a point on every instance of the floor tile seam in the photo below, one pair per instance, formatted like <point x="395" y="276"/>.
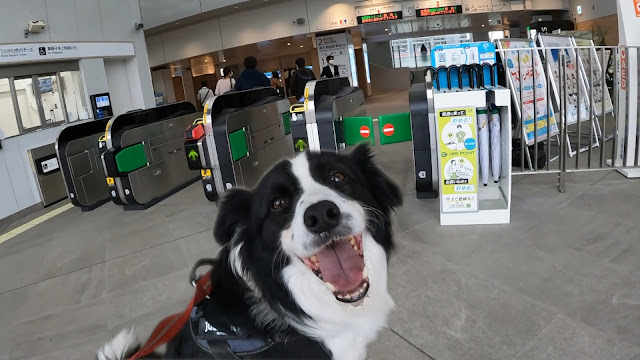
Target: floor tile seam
<point x="423" y="352"/>
<point x="535" y="336"/>
<point x="606" y="173"/>
<point x="102" y="262"/>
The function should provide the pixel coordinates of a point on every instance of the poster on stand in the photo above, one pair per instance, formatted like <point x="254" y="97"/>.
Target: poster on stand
<point x="593" y="77"/>
<point x="338" y="46"/>
<point x="522" y="88"/>
<point x="553" y="46"/>
<point x="457" y="133"/>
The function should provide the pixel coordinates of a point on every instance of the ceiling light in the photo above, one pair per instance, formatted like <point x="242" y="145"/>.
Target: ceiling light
<point x="301" y="45"/>
<point x="482" y="25"/>
<point x="386" y="29"/>
<point x="224" y="60"/>
<point x="289" y="44"/>
<point x="177" y="23"/>
<point x="205" y="60"/>
<point x="489" y="20"/>
<point x="236" y="7"/>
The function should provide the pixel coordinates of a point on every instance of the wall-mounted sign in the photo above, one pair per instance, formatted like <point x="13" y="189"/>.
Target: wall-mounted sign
<point x="388" y="16"/>
<point x="426" y="4"/>
<point x="477" y="6"/>
<point x="381" y="9"/>
<point x="443" y="10"/>
<point x="18" y="53"/>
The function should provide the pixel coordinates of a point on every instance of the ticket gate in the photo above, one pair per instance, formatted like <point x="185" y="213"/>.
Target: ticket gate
<point x="327" y="102"/>
<point x="144" y="161"/>
<point x="423" y="128"/>
<point x="79" y="148"/>
<point x="242" y="135"/>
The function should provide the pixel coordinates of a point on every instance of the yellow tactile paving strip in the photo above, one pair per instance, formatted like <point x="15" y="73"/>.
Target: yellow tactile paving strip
<point x="20" y="229"/>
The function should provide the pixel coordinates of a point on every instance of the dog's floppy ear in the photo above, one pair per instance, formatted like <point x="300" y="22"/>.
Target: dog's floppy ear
<point x="232" y="215"/>
<point x="382" y="187"/>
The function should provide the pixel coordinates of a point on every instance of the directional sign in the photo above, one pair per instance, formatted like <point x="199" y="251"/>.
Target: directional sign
<point x="301" y="145"/>
<point x="193" y="155"/>
<point x="365" y="131"/>
<point x="388" y="129"/>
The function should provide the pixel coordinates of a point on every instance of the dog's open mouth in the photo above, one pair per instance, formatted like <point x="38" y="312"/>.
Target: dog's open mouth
<point x="340" y="264"/>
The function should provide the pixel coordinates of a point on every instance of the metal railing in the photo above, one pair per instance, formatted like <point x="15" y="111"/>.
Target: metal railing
<point x="574" y="121"/>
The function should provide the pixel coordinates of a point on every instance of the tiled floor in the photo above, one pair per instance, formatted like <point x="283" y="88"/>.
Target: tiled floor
<point x="562" y="281"/>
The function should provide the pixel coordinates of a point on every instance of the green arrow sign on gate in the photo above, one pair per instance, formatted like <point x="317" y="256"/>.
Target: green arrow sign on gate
<point x="300" y="145"/>
<point x="193" y="155"/>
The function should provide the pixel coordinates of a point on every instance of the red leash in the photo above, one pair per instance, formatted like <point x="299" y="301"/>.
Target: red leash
<point x="169" y="327"/>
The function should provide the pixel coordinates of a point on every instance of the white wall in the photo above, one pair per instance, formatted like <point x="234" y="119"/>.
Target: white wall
<point x="119" y="91"/>
<point x="196" y="39"/>
<point x="72" y="20"/>
<point x="262" y="24"/>
<point x="593" y="9"/>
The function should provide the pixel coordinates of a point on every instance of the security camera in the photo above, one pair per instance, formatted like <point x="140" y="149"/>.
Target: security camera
<point x="36" y="26"/>
<point x="138" y="26"/>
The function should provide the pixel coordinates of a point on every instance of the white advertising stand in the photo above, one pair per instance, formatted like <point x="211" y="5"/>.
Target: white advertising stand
<point x="629" y="30"/>
<point x="493" y="200"/>
<point x="464" y="199"/>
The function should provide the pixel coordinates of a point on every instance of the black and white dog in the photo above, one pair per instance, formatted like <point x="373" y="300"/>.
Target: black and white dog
<point x="303" y="262"/>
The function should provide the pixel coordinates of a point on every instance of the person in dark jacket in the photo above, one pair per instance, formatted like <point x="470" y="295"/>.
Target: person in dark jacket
<point x="300" y="78"/>
<point x="330" y="70"/>
<point x="251" y="77"/>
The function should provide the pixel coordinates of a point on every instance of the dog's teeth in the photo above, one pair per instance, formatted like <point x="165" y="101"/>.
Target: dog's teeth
<point x="330" y="286"/>
<point x="355" y="247"/>
<point x="365" y="272"/>
<point x="314" y="259"/>
<point x="352" y="241"/>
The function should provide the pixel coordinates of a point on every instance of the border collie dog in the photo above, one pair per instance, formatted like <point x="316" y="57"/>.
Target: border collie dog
<point x="303" y="263"/>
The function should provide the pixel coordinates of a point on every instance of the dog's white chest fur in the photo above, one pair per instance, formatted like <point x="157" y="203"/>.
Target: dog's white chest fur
<point x="345" y="329"/>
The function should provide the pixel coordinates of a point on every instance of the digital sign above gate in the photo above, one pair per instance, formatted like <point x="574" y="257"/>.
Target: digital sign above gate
<point x="374" y="18"/>
<point x="442" y="10"/>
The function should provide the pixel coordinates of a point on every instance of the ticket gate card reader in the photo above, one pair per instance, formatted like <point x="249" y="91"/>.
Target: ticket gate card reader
<point x="246" y="133"/>
<point x="144" y="162"/>
<point x="326" y="103"/>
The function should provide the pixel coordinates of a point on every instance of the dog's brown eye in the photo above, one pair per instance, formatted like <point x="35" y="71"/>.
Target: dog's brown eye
<point x="279" y="204"/>
<point x="337" y="177"/>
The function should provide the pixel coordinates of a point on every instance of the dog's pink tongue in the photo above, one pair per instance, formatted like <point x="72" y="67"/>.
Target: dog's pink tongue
<point x="341" y="266"/>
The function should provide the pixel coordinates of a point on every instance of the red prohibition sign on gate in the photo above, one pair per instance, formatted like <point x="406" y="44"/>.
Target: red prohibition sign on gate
<point x="365" y="131"/>
<point x="636" y="4"/>
<point x="388" y="129"/>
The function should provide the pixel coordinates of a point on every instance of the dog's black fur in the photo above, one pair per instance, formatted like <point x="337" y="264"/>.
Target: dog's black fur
<point x="247" y="218"/>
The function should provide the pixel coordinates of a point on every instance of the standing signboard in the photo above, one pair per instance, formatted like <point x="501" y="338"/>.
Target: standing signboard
<point x="530" y="104"/>
<point x="593" y="77"/>
<point x="574" y="81"/>
<point x="341" y="48"/>
<point x="457" y="135"/>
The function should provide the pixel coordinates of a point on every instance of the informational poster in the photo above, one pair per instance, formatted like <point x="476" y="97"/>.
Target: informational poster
<point x="501" y="5"/>
<point x="523" y="90"/>
<point x="554" y="46"/>
<point x="457" y="133"/>
<point x="338" y="46"/>
<point x="593" y="77"/>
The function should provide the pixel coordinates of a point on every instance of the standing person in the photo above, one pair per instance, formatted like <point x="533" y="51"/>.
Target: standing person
<point x="204" y="93"/>
<point x="227" y="82"/>
<point x="277" y="83"/>
<point x="251" y="77"/>
<point x="300" y="78"/>
<point x="330" y="70"/>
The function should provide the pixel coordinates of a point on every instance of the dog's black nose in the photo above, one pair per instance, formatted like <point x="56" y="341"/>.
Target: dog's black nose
<point x="322" y="216"/>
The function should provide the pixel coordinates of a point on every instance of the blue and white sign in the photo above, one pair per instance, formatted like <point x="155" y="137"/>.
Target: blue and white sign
<point x="463" y="54"/>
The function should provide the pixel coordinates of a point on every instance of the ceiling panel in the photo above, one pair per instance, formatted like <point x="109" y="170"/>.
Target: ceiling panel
<point x="158" y="12"/>
<point x="208" y="5"/>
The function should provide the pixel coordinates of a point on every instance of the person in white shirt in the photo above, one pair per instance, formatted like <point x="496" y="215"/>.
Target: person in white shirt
<point x="226" y="83"/>
<point x="204" y="93"/>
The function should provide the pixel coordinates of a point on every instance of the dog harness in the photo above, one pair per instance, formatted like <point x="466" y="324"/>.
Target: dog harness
<point x="217" y="333"/>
